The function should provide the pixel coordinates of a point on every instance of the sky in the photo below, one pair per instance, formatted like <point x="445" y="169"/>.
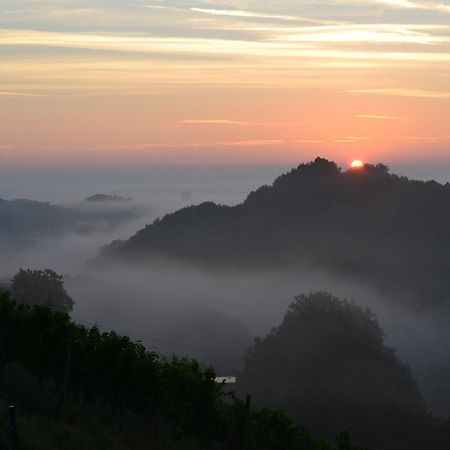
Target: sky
<point x="230" y="82"/>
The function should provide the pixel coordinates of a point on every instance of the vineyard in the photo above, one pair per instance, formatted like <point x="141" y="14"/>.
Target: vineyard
<point x="83" y="388"/>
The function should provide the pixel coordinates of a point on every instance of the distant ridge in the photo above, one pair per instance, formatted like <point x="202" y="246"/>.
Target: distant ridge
<point x="22" y="217"/>
<point x="367" y="225"/>
<point x="106" y="198"/>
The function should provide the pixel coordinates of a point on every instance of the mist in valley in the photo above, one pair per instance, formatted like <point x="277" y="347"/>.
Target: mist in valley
<point x="154" y="192"/>
<point x="214" y="316"/>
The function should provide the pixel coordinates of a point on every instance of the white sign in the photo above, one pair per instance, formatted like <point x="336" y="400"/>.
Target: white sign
<point x="225" y="380"/>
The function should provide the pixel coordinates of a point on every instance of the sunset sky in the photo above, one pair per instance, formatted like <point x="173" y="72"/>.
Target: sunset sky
<point x="127" y="82"/>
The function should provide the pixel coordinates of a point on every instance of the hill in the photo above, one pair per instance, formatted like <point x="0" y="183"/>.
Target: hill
<point x="23" y="216"/>
<point x="366" y="225"/>
<point x="28" y="218"/>
<point x="106" y="198"/>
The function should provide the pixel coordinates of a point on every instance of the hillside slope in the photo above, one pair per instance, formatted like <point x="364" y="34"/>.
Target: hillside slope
<point x="366" y="225"/>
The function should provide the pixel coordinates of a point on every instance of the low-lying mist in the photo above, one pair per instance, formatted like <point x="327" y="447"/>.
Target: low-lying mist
<point x="155" y="192"/>
<point x="214" y="316"/>
<point x="67" y="247"/>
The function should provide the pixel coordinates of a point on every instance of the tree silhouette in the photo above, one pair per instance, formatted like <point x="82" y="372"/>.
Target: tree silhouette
<point x="328" y="366"/>
<point x="39" y="287"/>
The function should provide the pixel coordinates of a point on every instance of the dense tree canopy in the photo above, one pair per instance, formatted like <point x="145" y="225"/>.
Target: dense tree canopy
<point x="327" y="364"/>
<point x="39" y="287"/>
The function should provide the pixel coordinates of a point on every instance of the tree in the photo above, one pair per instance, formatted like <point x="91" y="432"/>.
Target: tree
<point x="41" y="287"/>
<point x="328" y="366"/>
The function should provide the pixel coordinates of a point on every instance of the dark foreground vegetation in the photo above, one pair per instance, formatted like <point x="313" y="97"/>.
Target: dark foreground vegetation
<point x="79" y="388"/>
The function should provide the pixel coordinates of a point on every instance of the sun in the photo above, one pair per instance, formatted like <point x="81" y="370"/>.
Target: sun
<point x="357" y="164"/>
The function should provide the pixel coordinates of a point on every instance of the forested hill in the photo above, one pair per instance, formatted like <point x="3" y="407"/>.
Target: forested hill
<point x="364" y="224"/>
<point x="18" y="216"/>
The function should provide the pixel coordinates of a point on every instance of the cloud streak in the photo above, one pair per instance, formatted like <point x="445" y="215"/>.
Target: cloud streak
<point x="232" y="122"/>
<point x="254" y="143"/>
<point x="213" y="122"/>
<point x="242" y="14"/>
<point x="379" y="117"/>
<point x="409" y="4"/>
<point x="225" y="77"/>
<point x="19" y="94"/>
<point x="351" y="139"/>
<point x="142" y="43"/>
<point x="402" y="92"/>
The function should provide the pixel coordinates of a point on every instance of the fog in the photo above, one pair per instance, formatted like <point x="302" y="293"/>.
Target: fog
<point x="178" y="309"/>
<point x="163" y="186"/>
<point x="155" y="192"/>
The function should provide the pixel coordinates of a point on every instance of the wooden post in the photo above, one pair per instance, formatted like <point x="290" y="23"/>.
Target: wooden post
<point x="68" y="361"/>
<point x="248" y="405"/>
<point x="5" y="333"/>
<point x="68" y="364"/>
<point x="231" y="426"/>
<point x="13" y="425"/>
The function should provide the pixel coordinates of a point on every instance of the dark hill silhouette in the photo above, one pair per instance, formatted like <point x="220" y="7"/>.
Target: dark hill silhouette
<point x="22" y="217"/>
<point x="367" y="225"/>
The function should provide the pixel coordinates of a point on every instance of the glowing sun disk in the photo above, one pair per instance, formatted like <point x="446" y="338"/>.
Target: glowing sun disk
<point x="357" y="164"/>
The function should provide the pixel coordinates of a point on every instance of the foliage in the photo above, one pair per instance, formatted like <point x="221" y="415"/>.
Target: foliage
<point x="328" y="366"/>
<point x="41" y="287"/>
<point x="108" y="367"/>
<point x="98" y="390"/>
<point x="44" y="424"/>
<point x="275" y="430"/>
